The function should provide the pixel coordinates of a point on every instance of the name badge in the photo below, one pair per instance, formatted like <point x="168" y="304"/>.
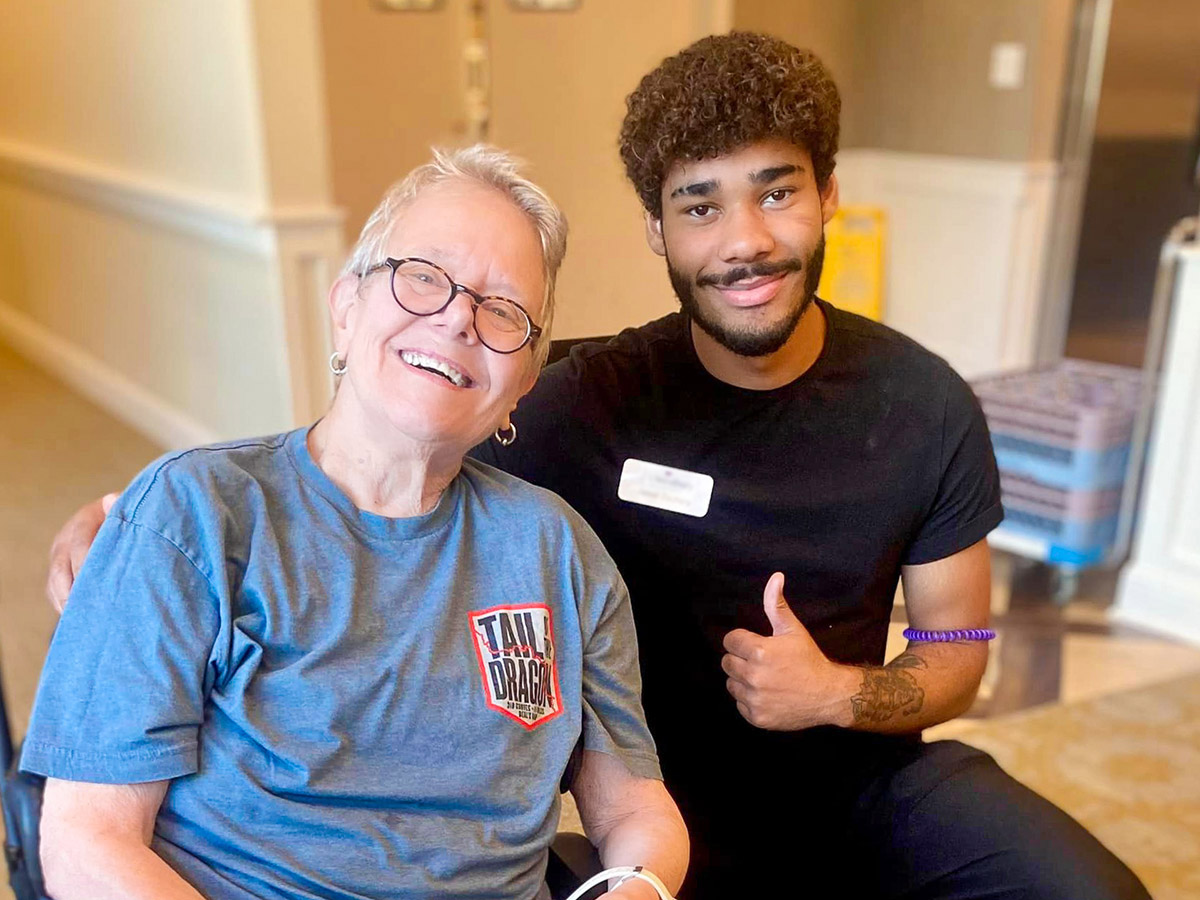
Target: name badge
<point x="675" y="490"/>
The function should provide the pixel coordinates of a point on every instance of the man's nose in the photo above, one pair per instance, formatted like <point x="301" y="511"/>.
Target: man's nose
<point x="745" y="236"/>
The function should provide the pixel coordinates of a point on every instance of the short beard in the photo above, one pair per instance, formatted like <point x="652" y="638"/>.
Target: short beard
<point x="745" y="342"/>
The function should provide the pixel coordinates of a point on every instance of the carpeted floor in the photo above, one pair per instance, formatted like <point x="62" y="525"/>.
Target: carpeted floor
<point x="1126" y="765"/>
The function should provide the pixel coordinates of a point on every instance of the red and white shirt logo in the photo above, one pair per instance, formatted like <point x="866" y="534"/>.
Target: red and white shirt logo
<point x="516" y="653"/>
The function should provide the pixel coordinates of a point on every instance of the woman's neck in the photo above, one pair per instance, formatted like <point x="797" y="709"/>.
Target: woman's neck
<point x="385" y="474"/>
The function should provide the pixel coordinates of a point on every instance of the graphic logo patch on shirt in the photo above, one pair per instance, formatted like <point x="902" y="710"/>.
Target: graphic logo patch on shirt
<point x="516" y="652"/>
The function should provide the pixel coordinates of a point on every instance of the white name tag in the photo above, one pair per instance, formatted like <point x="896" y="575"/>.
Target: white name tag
<point x="675" y="490"/>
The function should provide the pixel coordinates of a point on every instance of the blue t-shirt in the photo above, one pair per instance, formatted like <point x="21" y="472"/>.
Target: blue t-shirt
<point x="348" y="705"/>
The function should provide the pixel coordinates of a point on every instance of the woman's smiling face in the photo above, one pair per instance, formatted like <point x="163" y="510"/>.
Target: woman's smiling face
<point x="429" y="378"/>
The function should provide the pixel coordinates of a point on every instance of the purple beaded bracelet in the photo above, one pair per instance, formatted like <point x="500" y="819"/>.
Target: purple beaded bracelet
<point x="965" y="634"/>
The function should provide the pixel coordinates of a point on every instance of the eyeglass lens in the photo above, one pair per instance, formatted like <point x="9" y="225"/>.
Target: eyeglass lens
<point x="423" y="289"/>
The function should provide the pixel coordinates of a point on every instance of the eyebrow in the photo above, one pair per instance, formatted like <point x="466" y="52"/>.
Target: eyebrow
<point x="439" y="255"/>
<point x="709" y="187"/>
<point x="696" y="189"/>
<point x="774" y="173"/>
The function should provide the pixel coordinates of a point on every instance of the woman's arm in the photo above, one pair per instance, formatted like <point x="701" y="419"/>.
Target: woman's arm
<point x="632" y="821"/>
<point x="95" y="843"/>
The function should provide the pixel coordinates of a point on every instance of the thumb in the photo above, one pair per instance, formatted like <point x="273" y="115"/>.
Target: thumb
<point x="783" y="620"/>
<point x="107" y="501"/>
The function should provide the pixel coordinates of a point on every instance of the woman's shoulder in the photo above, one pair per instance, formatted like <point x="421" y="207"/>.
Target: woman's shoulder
<point x="497" y="487"/>
<point x="517" y="501"/>
<point x="187" y="481"/>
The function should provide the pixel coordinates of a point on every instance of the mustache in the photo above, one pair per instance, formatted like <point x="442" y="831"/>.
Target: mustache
<point x="757" y="270"/>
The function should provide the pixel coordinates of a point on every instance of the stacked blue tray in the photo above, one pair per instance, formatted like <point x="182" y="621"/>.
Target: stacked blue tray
<point x="1062" y="437"/>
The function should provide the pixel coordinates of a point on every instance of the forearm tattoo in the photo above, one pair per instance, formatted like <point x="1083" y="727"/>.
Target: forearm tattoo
<point x="889" y="690"/>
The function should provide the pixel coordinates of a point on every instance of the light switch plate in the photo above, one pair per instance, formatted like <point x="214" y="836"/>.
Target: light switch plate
<point x="1007" y="71"/>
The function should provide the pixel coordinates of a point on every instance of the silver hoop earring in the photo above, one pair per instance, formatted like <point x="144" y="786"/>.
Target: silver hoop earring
<point x="337" y="365"/>
<point x="505" y="439"/>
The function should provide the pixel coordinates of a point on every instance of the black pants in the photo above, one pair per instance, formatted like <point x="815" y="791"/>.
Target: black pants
<point x="922" y="821"/>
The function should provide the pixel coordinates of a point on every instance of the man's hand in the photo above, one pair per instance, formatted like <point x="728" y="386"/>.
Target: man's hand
<point x="784" y="682"/>
<point x="71" y="546"/>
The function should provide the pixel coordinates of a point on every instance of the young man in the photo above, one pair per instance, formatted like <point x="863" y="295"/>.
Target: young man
<point x="760" y="435"/>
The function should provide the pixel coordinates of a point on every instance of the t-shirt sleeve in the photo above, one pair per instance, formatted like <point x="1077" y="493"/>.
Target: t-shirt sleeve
<point x="541" y="417"/>
<point x="966" y="504"/>
<point x="613" y="719"/>
<point x="122" y="692"/>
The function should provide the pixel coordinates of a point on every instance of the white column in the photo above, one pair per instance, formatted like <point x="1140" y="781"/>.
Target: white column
<point x="1160" y="585"/>
<point x="305" y="227"/>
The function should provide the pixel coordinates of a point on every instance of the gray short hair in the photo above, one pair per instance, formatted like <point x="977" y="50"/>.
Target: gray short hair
<point x="489" y="166"/>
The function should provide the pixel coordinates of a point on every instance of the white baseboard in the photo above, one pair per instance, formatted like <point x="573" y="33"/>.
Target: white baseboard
<point x="1157" y="600"/>
<point x="149" y="414"/>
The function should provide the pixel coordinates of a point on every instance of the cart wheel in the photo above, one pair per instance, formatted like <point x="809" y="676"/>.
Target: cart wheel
<point x="1066" y="584"/>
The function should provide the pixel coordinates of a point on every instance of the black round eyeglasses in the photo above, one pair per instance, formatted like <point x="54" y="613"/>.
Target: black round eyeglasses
<point x="425" y="289"/>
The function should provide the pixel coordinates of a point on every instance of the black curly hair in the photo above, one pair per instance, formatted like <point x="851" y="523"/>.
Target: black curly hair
<point x="724" y="92"/>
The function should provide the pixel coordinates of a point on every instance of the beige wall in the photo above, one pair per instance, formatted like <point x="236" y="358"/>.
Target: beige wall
<point x="1049" y="72"/>
<point x="1151" y="86"/>
<point x="924" y="87"/>
<point x="559" y="99"/>
<point x="393" y="88"/>
<point x="146" y="151"/>
<point x="914" y="73"/>
<point x="290" y="95"/>
<point x="559" y="80"/>
<point x="834" y="31"/>
<point x="161" y="89"/>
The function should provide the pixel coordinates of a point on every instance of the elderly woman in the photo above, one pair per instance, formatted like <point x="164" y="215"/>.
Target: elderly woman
<point x="344" y="662"/>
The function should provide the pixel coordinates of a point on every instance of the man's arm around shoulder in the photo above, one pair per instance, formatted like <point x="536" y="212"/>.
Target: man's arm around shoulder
<point x="71" y="546"/>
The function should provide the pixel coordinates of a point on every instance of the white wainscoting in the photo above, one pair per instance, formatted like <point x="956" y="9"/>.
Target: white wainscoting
<point x="1160" y="585"/>
<point x="127" y="400"/>
<point x="307" y="260"/>
<point x="300" y="249"/>
<point x="965" y="252"/>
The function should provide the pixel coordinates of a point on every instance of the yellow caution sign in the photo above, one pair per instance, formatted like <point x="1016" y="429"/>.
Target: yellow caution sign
<point x="852" y="278"/>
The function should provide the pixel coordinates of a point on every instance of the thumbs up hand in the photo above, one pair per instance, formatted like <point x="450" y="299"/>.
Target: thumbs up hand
<point x="783" y="682"/>
<point x="780" y="615"/>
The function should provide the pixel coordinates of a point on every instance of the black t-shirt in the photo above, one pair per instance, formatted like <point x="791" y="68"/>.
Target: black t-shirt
<point x="878" y="456"/>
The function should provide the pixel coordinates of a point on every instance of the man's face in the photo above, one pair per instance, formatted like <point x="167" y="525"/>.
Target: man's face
<point x="743" y="236"/>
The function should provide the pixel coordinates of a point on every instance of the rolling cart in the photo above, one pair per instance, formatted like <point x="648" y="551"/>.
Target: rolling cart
<point x="1070" y="442"/>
